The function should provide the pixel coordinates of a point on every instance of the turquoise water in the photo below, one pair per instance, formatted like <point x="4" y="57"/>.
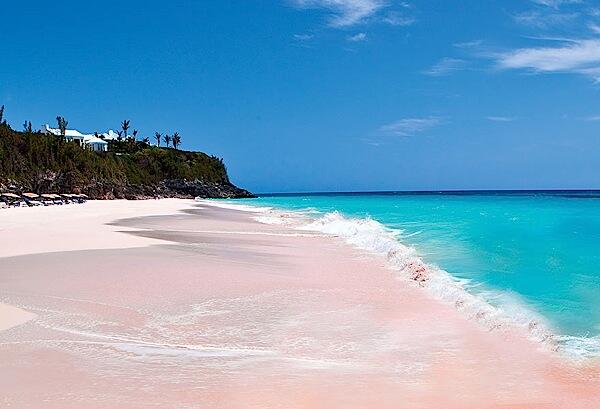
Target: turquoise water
<point x="540" y="249"/>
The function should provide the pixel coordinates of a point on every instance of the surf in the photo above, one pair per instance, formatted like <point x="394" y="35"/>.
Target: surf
<point x="493" y="309"/>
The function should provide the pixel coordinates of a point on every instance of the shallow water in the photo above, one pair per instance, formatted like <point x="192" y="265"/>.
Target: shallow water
<point x="527" y="253"/>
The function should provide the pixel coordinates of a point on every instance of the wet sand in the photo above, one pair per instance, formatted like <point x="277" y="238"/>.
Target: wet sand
<point x="11" y="316"/>
<point x="171" y="304"/>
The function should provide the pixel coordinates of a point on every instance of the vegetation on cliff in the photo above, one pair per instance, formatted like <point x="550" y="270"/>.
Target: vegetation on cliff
<point x="46" y="163"/>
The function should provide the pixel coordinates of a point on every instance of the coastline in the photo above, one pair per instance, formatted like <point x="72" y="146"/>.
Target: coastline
<point x="196" y="302"/>
<point x="370" y="235"/>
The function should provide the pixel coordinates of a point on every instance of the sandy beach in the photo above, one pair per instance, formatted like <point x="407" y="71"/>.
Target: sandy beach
<point x="174" y="304"/>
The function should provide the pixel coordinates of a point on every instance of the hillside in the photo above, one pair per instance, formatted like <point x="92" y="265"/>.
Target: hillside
<point x="31" y="161"/>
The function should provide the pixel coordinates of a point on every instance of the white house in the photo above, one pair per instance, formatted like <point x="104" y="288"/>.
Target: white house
<point x="96" y="144"/>
<point x="93" y="142"/>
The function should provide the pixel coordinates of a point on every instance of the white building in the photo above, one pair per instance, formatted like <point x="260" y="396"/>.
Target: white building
<point x="96" y="143"/>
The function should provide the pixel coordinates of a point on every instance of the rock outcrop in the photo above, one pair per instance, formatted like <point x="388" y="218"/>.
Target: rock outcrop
<point x="177" y="188"/>
<point x="33" y="162"/>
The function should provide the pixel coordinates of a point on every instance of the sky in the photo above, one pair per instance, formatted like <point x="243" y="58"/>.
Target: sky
<point x="326" y="95"/>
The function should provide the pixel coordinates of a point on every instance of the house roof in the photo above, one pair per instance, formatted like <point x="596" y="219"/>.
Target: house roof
<point x="68" y="132"/>
<point x="94" y="139"/>
<point x="73" y="133"/>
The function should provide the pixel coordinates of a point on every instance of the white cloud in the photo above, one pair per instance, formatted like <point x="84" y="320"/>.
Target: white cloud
<point x="348" y="13"/>
<point x="578" y="56"/>
<point x="410" y="126"/>
<point x="593" y="118"/>
<point x="446" y="66"/>
<point x="345" y="13"/>
<point x="594" y="27"/>
<point x="303" y="37"/>
<point x="398" y="19"/>
<point x="468" y="44"/>
<point x="545" y="19"/>
<point x="501" y="118"/>
<point x="357" y="37"/>
<point x="556" y="3"/>
<point x="568" y="32"/>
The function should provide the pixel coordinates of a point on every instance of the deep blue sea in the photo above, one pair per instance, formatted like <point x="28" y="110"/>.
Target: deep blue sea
<point x="540" y="250"/>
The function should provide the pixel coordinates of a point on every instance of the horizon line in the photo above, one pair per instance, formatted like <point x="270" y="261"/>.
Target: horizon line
<point x="437" y="191"/>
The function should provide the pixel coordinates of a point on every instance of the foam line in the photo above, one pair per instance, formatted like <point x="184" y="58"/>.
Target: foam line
<point x="370" y="235"/>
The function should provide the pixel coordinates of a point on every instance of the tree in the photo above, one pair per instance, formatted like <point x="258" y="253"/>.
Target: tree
<point x="125" y="126"/>
<point x="25" y="158"/>
<point x="146" y="140"/>
<point x="167" y="139"/>
<point x="1" y="113"/>
<point x="157" y="136"/>
<point x="27" y="127"/>
<point x="134" y="133"/>
<point x="119" y="135"/>
<point x="62" y="125"/>
<point x="176" y="140"/>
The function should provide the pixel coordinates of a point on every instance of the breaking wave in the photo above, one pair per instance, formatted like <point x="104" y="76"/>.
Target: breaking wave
<point x="370" y="235"/>
<point x="494" y="310"/>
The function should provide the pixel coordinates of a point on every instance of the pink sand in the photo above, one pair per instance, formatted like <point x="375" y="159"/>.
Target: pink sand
<point x="11" y="316"/>
<point x="187" y="307"/>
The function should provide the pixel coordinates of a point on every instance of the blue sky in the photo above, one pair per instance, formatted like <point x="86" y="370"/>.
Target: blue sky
<point x="326" y="95"/>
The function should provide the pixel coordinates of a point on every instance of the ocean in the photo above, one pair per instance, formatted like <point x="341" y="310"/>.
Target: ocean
<point x="529" y="257"/>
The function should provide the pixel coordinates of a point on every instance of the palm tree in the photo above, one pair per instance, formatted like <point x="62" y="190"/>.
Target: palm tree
<point x="176" y="140"/>
<point x="62" y="125"/>
<point x="157" y="136"/>
<point x="167" y="139"/>
<point x="1" y="113"/>
<point x="146" y="140"/>
<point x="134" y="133"/>
<point x="119" y="135"/>
<point x="125" y="126"/>
<point x="28" y="127"/>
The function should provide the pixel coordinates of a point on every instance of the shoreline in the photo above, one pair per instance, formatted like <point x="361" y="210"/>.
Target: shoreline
<point x="43" y="230"/>
<point x="196" y="301"/>
<point x="379" y="240"/>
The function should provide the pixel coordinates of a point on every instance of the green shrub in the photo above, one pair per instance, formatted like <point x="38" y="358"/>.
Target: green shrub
<point x="26" y="157"/>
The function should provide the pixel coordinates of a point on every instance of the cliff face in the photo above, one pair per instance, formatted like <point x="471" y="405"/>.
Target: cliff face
<point x="45" y="164"/>
<point x="103" y="190"/>
<point x="168" y="188"/>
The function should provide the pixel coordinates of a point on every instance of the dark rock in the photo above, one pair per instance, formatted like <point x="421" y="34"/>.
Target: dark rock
<point x="175" y="188"/>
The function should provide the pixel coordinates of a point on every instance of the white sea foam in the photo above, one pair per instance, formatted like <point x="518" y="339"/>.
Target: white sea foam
<point x="372" y="236"/>
<point x="493" y="309"/>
